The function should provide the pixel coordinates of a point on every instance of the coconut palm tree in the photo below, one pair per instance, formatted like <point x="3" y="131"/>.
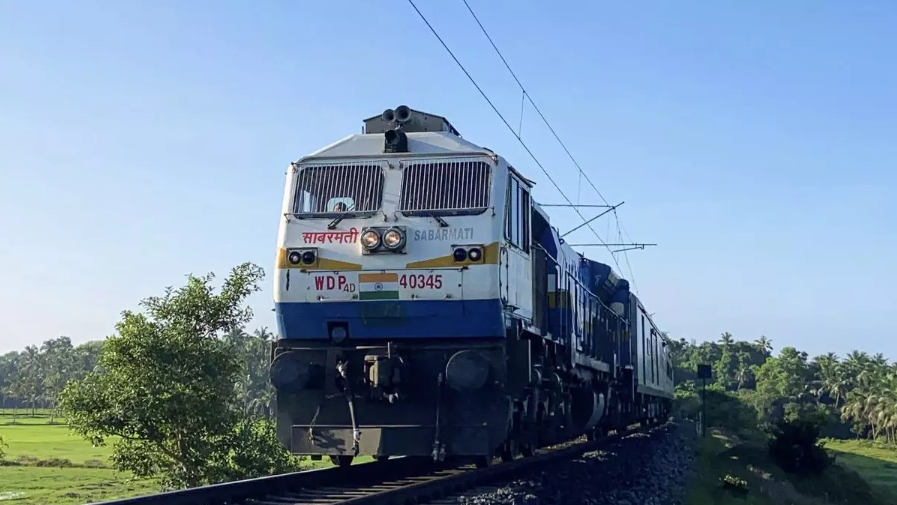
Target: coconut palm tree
<point x="831" y="377"/>
<point x="764" y="345"/>
<point x="726" y="339"/>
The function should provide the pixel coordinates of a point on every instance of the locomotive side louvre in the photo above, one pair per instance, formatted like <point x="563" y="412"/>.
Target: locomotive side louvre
<point x="426" y="307"/>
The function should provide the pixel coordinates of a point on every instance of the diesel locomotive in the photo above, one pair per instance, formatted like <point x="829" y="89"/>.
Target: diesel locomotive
<point x="426" y="307"/>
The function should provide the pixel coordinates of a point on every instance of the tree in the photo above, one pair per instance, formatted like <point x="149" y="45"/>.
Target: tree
<point x="166" y="385"/>
<point x="726" y="367"/>
<point x="254" y="390"/>
<point x="58" y="357"/>
<point x="764" y="345"/>
<point x="9" y="383"/>
<point x="785" y="375"/>
<point x="744" y="374"/>
<point x="831" y="379"/>
<point x="726" y="339"/>
<point x="87" y="355"/>
<point x="30" y="377"/>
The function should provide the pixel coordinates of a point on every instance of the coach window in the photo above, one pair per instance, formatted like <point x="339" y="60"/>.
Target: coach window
<point x="518" y="220"/>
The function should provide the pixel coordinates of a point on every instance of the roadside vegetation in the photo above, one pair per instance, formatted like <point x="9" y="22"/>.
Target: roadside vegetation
<point x="177" y="397"/>
<point x="788" y="429"/>
<point x="121" y="416"/>
<point x="44" y="464"/>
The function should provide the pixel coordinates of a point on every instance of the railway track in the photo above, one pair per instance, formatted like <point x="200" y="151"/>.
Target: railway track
<point x="398" y="481"/>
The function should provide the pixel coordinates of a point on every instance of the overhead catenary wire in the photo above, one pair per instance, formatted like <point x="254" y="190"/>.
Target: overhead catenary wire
<point x="533" y="103"/>
<point x="582" y="174"/>
<point x="510" y="128"/>
<point x="620" y="232"/>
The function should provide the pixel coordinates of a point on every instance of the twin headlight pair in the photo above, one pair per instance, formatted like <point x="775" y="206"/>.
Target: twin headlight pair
<point x="304" y="256"/>
<point x="390" y="239"/>
<point x="473" y="254"/>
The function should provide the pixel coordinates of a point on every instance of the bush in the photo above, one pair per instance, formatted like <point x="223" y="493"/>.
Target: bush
<point x="734" y="484"/>
<point x="55" y="462"/>
<point x="723" y="408"/>
<point x="795" y="447"/>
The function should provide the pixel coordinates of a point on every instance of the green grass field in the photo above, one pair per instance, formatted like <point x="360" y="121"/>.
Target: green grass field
<point x="864" y="475"/>
<point x="877" y="464"/>
<point x="23" y="485"/>
<point x="48" y="465"/>
<point x="34" y="438"/>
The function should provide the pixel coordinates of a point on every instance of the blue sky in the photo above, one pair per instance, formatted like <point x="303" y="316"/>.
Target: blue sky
<point x="754" y="141"/>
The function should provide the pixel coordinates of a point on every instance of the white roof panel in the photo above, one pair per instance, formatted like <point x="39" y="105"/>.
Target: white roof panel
<point x="418" y="143"/>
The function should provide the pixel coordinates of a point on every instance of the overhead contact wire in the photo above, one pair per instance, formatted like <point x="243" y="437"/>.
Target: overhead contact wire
<point x="557" y="137"/>
<point x="511" y="129"/>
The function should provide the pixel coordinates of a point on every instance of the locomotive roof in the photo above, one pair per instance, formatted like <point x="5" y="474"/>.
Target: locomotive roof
<point x="430" y="143"/>
<point x="538" y="208"/>
<point x="426" y="120"/>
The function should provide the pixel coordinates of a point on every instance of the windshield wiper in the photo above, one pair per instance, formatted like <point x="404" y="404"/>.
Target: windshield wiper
<point x="337" y="220"/>
<point x="340" y="217"/>
<point x="438" y="219"/>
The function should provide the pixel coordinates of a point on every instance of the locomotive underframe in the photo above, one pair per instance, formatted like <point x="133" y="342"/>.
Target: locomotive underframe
<point x="447" y="398"/>
<point x="425" y="409"/>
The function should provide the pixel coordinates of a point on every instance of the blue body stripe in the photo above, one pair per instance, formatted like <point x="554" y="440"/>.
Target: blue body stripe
<point x="393" y="319"/>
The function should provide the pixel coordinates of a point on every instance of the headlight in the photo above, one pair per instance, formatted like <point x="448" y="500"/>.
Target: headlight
<point x="294" y="257"/>
<point x="474" y="254"/>
<point x="460" y="254"/>
<point x="393" y="239"/>
<point x="308" y="257"/>
<point x="370" y="239"/>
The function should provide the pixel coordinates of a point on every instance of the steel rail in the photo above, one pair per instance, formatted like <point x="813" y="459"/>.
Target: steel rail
<point x="402" y="480"/>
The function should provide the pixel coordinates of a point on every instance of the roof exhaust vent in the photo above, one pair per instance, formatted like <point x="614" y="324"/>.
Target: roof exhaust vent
<point x="409" y="120"/>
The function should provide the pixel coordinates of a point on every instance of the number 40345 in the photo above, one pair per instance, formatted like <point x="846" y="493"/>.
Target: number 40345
<point x="420" y="281"/>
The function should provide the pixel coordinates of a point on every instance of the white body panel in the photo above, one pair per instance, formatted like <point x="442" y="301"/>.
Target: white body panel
<point x="429" y="245"/>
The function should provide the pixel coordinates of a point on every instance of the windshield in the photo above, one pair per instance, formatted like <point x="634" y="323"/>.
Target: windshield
<point x="328" y="190"/>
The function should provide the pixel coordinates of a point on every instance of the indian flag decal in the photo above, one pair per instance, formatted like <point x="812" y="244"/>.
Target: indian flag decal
<point x="378" y="286"/>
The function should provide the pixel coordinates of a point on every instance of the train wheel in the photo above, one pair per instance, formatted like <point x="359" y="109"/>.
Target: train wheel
<point x="483" y="461"/>
<point x="508" y="451"/>
<point x="342" y="461"/>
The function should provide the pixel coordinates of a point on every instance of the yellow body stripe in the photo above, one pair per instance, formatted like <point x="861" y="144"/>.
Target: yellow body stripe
<point x="490" y="257"/>
<point x="319" y="264"/>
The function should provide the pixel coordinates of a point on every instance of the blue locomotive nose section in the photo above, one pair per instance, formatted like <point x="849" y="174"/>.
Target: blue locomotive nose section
<point x="605" y="281"/>
<point x="621" y="293"/>
<point x="391" y="319"/>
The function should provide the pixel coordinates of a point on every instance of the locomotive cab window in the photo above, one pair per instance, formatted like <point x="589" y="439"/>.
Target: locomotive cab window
<point x="517" y="221"/>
